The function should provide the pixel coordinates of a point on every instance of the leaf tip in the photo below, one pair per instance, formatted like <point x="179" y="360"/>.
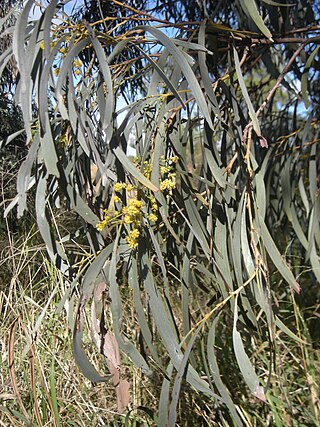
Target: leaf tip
<point x="263" y="142"/>
<point x="260" y="394"/>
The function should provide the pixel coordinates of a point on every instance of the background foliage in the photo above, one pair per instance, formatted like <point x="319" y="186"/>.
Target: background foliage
<point x="172" y="167"/>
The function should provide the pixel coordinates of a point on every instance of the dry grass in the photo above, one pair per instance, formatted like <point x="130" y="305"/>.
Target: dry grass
<point x="40" y="382"/>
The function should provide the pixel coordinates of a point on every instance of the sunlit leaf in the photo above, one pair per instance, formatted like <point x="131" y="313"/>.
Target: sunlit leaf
<point x="245" y="94"/>
<point x="276" y="257"/>
<point x="249" y="6"/>
<point x="244" y="362"/>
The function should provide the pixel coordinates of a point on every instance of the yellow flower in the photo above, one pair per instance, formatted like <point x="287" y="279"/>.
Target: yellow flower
<point x="102" y="224"/>
<point x="168" y="184"/>
<point x="132" y="238"/>
<point x="132" y="243"/>
<point x="64" y="140"/>
<point x="42" y="44"/>
<point x="118" y="186"/>
<point x="164" y="169"/>
<point x="56" y="71"/>
<point x="134" y="234"/>
<point x="129" y="187"/>
<point x="174" y="159"/>
<point x="127" y="219"/>
<point x="153" y="217"/>
<point x="136" y="160"/>
<point x="78" y="63"/>
<point x="147" y="169"/>
<point x="77" y="72"/>
<point x="134" y="206"/>
<point x="132" y="212"/>
<point x="154" y="206"/>
<point x="116" y="199"/>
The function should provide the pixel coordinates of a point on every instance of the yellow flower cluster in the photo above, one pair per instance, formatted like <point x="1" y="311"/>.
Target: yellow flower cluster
<point x="77" y="64"/>
<point x="102" y="224"/>
<point x="164" y="169"/>
<point x="168" y="181"/>
<point x="146" y="169"/>
<point x="118" y="186"/>
<point x="168" y="184"/>
<point x="174" y="159"/>
<point x="132" y="238"/>
<point x="108" y="217"/>
<point x="168" y="176"/>
<point x="132" y="212"/>
<point x="153" y="217"/>
<point x="65" y="140"/>
<point x="41" y="44"/>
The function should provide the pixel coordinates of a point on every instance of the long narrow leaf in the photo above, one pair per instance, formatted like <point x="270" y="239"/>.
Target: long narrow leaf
<point x="243" y="360"/>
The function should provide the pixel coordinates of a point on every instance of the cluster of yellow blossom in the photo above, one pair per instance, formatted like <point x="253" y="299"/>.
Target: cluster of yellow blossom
<point x="164" y="169"/>
<point x="145" y="166"/>
<point x="146" y="169"/>
<point x="168" y="184"/>
<point x="63" y="50"/>
<point x="132" y="238"/>
<point x="108" y="217"/>
<point x="52" y="44"/>
<point x="152" y="217"/>
<point x="102" y="224"/>
<point x="174" y="159"/>
<point x="65" y="139"/>
<point x="168" y="176"/>
<point x="154" y="206"/>
<point x="77" y="64"/>
<point x="118" y="186"/>
<point x="132" y="212"/>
